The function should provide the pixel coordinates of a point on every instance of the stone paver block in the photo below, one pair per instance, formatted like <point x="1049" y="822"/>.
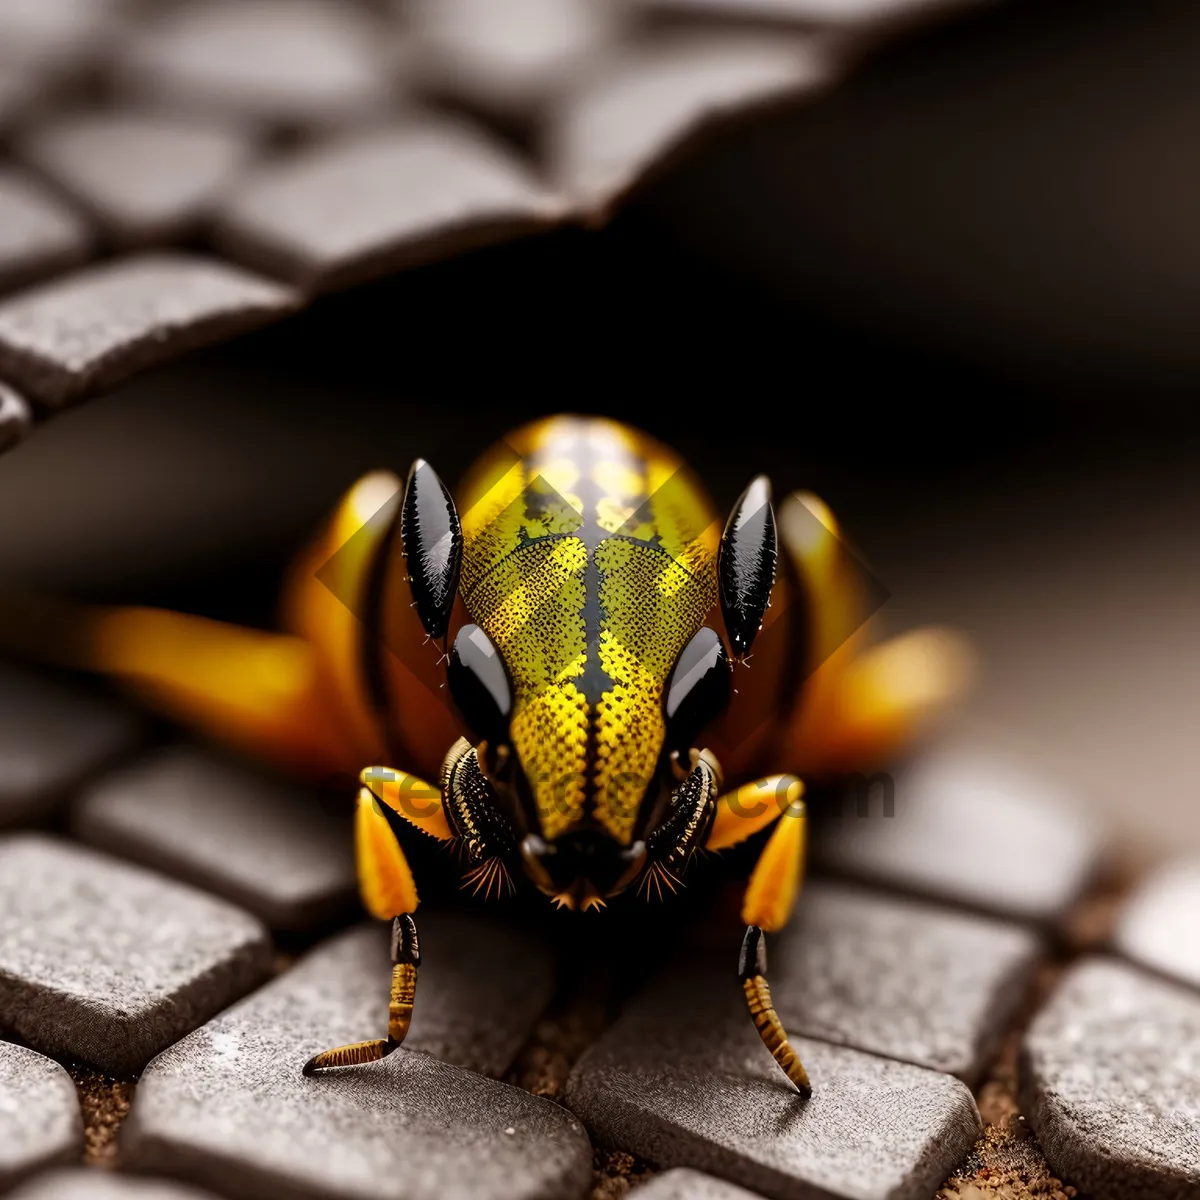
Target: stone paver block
<point x="108" y="963"/>
<point x="40" y="1121"/>
<point x="104" y="1185"/>
<point x="147" y="177"/>
<point x="682" y="1184"/>
<point x="624" y="116"/>
<point x="52" y="737"/>
<point x="90" y="329"/>
<point x="1160" y="925"/>
<point x="901" y="978"/>
<point x="1111" y="1083"/>
<point x="969" y="827"/>
<point x="267" y="846"/>
<point x="682" y="1079"/>
<point x="229" y="1107"/>
<point x="365" y="205"/>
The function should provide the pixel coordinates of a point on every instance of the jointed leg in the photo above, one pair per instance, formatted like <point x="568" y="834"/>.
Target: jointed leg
<point x="388" y="890"/>
<point x="752" y="971"/>
<point x="770" y="896"/>
<point x="406" y="958"/>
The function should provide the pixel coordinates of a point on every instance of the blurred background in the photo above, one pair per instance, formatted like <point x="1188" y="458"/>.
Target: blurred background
<point x="955" y="294"/>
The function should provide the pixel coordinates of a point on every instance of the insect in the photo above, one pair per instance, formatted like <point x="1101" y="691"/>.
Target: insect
<point x="601" y="677"/>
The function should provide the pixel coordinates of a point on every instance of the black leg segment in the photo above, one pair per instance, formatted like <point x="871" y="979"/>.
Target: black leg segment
<point x="406" y="958"/>
<point x="752" y="971"/>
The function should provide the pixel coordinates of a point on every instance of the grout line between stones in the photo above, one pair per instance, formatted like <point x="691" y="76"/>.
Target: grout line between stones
<point x="1007" y="1163"/>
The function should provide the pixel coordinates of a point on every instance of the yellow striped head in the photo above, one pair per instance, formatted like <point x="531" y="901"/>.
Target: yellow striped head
<point x="589" y="561"/>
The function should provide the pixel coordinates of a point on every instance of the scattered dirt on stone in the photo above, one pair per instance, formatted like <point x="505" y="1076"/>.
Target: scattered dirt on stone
<point x="614" y="1173"/>
<point x="572" y="1023"/>
<point x="1006" y="1163"/>
<point x="105" y="1104"/>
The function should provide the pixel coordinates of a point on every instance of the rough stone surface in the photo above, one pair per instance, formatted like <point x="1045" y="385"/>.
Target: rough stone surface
<point x="301" y="64"/>
<point x="229" y="1105"/>
<point x="146" y="177"/>
<point x="682" y="1079"/>
<point x="105" y="962"/>
<point x="40" y="1122"/>
<point x="630" y="112"/>
<point x="53" y="35"/>
<point x="104" y="1185"/>
<point x="88" y="330"/>
<point x="52" y="737"/>
<point x="39" y="234"/>
<point x="969" y="827"/>
<point x="682" y="1184"/>
<point x="900" y="978"/>
<point x="1160" y="925"/>
<point x="366" y="205"/>
<point x="1111" y="1084"/>
<point x="511" y="59"/>
<point x="263" y="844"/>
<point x="15" y="418"/>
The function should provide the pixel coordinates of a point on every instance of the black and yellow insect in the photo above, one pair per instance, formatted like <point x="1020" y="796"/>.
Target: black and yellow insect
<point x="590" y="619"/>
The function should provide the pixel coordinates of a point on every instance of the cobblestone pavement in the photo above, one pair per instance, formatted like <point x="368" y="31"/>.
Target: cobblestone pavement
<point x="984" y="1008"/>
<point x="176" y="173"/>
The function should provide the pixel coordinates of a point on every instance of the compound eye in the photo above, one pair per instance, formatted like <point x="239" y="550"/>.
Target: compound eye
<point x="479" y="685"/>
<point x="698" y="690"/>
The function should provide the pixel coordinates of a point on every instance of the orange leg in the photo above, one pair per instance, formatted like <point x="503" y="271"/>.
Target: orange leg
<point x="388" y="891"/>
<point x="770" y="895"/>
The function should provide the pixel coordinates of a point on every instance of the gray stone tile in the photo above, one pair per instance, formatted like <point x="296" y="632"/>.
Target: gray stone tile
<point x="301" y="64"/>
<point x="105" y="962"/>
<point x="90" y="329"/>
<point x="267" y="846"/>
<point x="53" y="736"/>
<point x="15" y="418"/>
<point x="368" y="204"/>
<point x="510" y="60"/>
<point x="40" y="1121"/>
<point x="104" y="1185"/>
<point x="1160" y="924"/>
<point x="147" y="177"/>
<point x="55" y="35"/>
<point x="900" y="978"/>
<point x="683" y="1184"/>
<point x="682" y="1079"/>
<point x="39" y="234"/>
<point x="229" y="1106"/>
<point x="971" y="827"/>
<point x="1111" y="1084"/>
<point x="645" y="103"/>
